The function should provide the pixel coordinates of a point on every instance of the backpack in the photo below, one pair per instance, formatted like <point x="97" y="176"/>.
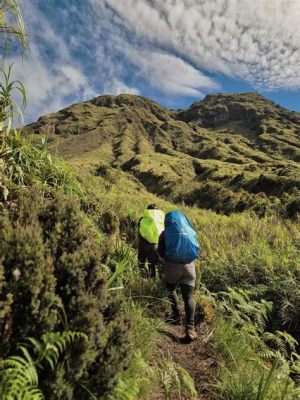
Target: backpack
<point x="180" y="238"/>
<point x="152" y="225"/>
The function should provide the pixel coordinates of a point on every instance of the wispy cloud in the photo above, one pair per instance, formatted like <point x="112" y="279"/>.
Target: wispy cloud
<point x="257" y="40"/>
<point x="170" y="74"/>
<point x="161" y="68"/>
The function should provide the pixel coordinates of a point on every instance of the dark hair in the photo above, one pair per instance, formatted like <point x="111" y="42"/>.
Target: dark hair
<point x="152" y="207"/>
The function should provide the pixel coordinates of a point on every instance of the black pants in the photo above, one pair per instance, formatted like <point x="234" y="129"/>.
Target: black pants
<point x="187" y="292"/>
<point x="147" y="253"/>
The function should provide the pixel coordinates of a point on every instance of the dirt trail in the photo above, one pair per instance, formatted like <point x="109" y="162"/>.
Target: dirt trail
<point x="193" y="357"/>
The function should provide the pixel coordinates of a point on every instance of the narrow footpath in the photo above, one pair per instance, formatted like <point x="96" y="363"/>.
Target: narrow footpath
<point x="194" y="357"/>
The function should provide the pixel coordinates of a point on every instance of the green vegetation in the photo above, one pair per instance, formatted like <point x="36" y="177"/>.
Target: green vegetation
<point x="255" y="364"/>
<point x="69" y="263"/>
<point x="59" y="273"/>
<point x="228" y="153"/>
<point x="50" y="267"/>
<point x="69" y="279"/>
<point x="251" y="327"/>
<point x="7" y="105"/>
<point x="19" y="374"/>
<point x="23" y="164"/>
<point x="51" y="276"/>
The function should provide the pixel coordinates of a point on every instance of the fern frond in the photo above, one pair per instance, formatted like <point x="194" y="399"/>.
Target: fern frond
<point x="19" y="378"/>
<point x="53" y="344"/>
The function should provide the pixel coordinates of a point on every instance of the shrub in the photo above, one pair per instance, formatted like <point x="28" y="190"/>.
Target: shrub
<point x="293" y="208"/>
<point x="51" y="279"/>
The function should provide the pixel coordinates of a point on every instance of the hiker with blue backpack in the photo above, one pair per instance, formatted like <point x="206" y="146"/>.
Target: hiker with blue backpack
<point x="178" y="248"/>
<point x="150" y="227"/>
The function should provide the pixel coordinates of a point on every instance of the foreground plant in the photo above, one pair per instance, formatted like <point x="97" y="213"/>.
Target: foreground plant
<point x="11" y="24"/>
<point x="253" y="364"/>
<point x="19" y="378"/>
<point x="23" y="164"/>
<point x="7" y="105"/>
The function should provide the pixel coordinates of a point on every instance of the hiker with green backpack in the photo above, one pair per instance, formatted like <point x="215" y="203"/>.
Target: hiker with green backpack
<point x="150" y="227"/>
<point x="178" y="248"/>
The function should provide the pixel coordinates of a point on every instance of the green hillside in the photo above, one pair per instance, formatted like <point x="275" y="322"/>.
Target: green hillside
<point x="228" y="152"/>
<point x="69" y="263"/>
<point x="78" y="320"/>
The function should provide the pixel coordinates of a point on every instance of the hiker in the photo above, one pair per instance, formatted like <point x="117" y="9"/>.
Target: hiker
<point x="178" y="248"/>
<point x="150" y="227"/>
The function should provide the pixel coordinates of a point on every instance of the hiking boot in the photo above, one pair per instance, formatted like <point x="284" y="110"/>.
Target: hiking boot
<point x="190" y="333"/>
<point x="174" y="319"/>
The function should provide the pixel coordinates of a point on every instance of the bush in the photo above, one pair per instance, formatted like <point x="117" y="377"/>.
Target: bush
<point x="293" y="208"/>
<point x="215" y="196"/>
<point x="51" y="279"/>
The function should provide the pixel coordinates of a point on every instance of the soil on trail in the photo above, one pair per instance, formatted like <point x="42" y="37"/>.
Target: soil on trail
<point x="194" y="357"/>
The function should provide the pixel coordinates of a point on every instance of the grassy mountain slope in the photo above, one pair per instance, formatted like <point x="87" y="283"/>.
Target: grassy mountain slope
<point x="227" y="152"/>
<point x="92" y="230"/>
<point x="259" y="256"/>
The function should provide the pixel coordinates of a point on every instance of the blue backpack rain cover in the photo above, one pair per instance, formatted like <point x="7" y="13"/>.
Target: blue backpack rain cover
<point x="180" y="238"/>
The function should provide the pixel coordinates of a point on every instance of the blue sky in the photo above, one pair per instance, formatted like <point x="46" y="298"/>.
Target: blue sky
<point x="173" y="51"/>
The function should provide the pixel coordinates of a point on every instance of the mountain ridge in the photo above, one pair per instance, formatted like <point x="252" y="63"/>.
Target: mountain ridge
<point x="241" y="147"/>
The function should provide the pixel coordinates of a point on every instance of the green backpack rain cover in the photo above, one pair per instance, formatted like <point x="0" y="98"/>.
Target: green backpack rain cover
<point x="152" y="225"/>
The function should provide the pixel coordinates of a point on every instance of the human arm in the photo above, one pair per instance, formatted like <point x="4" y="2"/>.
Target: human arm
<point x="161" y="246"/>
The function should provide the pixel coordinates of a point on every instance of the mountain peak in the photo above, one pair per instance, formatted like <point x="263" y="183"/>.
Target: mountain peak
<point x="120" y="100"/>
<point x="253" y="109"/>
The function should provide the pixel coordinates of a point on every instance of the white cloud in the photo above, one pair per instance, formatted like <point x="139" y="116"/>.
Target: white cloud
<point x="164" y="71"/>
<point x="116" y="87"/>
<point x="48" y="87"/>
<point x="170" y="74"/>
<point x="257" y="40"/>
